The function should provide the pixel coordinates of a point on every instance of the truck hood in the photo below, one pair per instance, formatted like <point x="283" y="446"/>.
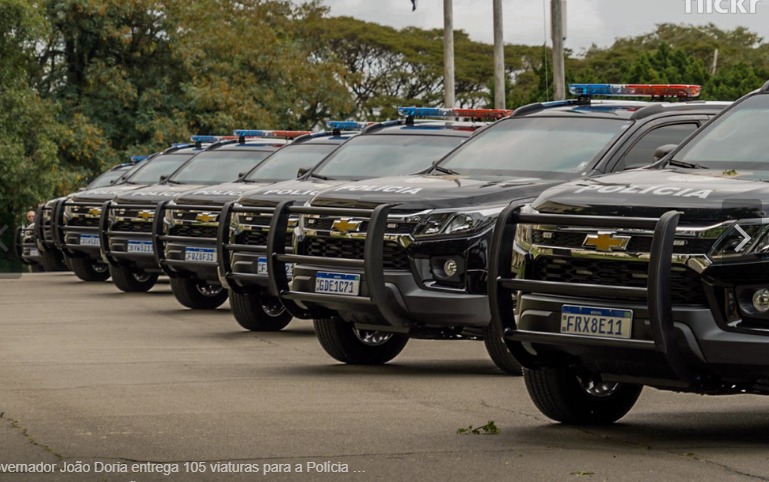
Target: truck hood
<point x="106" y="193"/>
<point x="297" y="190"/>
<point x="701" y="195"/>
<point x="156" y="193"/>
<point x="431" y="192"/>
<point x="218" y="194"/>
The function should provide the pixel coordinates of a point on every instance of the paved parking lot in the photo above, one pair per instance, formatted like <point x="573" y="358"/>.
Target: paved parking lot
<point x="92" y="378"/>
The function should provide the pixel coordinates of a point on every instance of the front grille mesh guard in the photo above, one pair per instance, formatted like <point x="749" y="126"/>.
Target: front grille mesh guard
<point x="503" y="286"/>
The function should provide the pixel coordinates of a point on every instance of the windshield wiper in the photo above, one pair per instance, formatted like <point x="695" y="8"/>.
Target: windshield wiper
<point x="312" y="174"/>
<point x="444" y="170"/>
<point x="686" y="165"/>
<point x="171" y="181"/>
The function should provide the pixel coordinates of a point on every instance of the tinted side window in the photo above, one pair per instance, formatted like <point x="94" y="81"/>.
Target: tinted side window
<point x="642" y="153"/>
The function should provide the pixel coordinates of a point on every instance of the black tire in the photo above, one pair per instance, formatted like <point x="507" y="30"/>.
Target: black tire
<point x="259" y="312"/>
<point x="52" y="261"/>
<point x="562" y="395"/>
<point x="132" y="281"/>
<point x="198" y="295"/>
<point x="343" y="343"/>
<point x="497" y="350"/>
<point x="89" y="270"/>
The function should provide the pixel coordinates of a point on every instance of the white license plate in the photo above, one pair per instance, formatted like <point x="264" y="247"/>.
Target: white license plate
<point x="140" y="247"/>
<point x="89" y="240"/>
<point x="337" y="283"/>
<point x="592" y="321"/>
<point x="34" y="252"/>
<point x="261" y="267"/>
<point x="200" y="254"/>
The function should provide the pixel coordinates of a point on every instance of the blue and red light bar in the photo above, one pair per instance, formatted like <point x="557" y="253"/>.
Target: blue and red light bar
<point x="449" y="113"/>
<point x="271" y="134"/>
<point x="636" y="90"/>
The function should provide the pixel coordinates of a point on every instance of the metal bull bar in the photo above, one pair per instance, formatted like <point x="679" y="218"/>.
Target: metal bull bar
<point x="224" y="247"/>
<point x="159" y="239"/>
<point x="40" y="228"/>
<point x="57" y="225"/>
<point x="503" y="286"/>
<point x="372" y="263"/>
<point x="60" y="228"/>
<point x="106" y="231"/>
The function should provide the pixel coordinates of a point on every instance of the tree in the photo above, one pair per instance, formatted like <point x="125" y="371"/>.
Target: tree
<point x="28" y="130"/>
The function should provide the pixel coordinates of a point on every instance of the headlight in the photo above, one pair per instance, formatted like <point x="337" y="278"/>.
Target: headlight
<point x="456" y="222"/>
<point x="745" y="237"/>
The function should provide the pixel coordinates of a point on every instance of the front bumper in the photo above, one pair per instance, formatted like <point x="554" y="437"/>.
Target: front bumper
<point x="678" y="347"/>
<point x="389" y="300"/>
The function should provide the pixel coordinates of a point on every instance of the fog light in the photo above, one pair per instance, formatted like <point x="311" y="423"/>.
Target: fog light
<point x="450" y="268"/>
<point x="761" y="300"/>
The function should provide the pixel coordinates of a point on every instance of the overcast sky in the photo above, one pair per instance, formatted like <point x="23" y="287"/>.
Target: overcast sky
<point x="589" y="21"/>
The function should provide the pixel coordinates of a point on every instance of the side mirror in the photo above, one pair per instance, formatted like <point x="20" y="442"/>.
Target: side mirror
<point x="302" y="171"/>
<point x="163" y="178"/>
<point x="663" y="151"/>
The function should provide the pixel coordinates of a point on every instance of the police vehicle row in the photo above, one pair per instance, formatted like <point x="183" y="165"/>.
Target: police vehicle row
<point x="124" y="223"/>
<point x="380" y="261"/>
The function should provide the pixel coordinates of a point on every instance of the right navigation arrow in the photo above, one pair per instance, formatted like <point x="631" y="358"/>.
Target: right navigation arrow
<point x="746" y="238"/>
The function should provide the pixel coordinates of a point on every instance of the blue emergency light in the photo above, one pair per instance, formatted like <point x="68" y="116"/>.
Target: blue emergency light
<point x="347" y="125"/>
<point x="268" y="134"/>
<point x="138" y="158"/>
<point x="197" y="139"/>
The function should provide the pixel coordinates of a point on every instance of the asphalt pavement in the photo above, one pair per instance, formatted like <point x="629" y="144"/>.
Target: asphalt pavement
<point x="96" y="384"/>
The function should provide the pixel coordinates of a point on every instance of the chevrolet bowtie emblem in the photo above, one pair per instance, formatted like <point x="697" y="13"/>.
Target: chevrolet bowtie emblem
<point x="206" y="217"/>
<point x="604" y="241"/>
<point x="145" y="214"/>
<point x="94" y="212"/>
<point x="345" y="225"/>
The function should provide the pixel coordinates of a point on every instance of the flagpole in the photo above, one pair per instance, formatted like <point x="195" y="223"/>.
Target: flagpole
<point x="448" y="53"/>
<point x="499" y="57"/>
<point x="559" y="69"/>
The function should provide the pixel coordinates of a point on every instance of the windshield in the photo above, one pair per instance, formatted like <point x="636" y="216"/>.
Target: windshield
<point x="284" y="164"/>
<point x="736" y="140"/>
<point x="162" y="165"/>
<point x="217" y="167"/>
<point x="542" y="146"/>
<point x="106" y="178"/>
<point x="379" y="155"/>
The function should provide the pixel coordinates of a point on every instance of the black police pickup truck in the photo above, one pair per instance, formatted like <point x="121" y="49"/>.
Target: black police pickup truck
<point x="398" y="257"/>
<point x="187" y="225"/>
<point x="76" y="218"/>
<point x="657" y="276"/>
<point x="402" y="146"/>
<point x="125" y="225"/>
